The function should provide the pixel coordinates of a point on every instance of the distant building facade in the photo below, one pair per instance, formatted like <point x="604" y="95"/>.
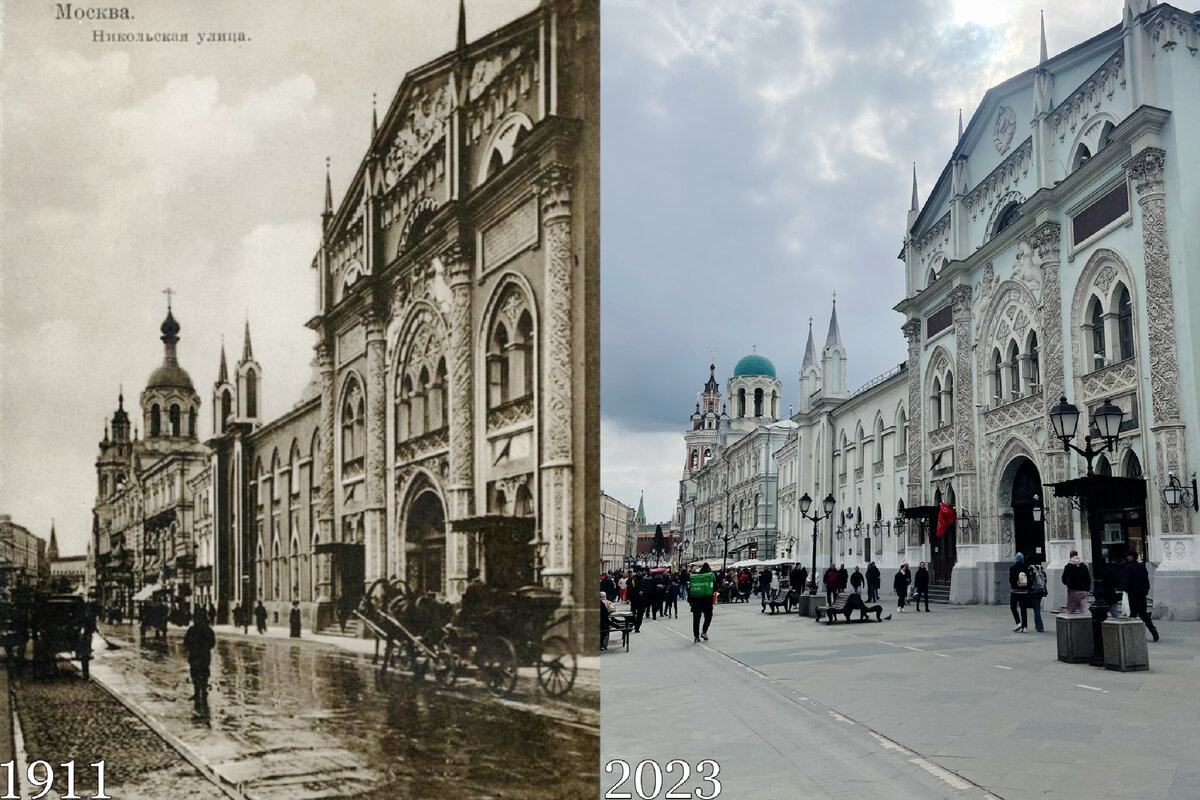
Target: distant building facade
<point x="23" y="556"/>
<point x="614" y="530"/>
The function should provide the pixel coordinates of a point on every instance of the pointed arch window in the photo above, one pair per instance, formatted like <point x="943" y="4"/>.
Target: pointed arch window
<point x="226" y="408"/>
<point x="441" y="392"/>
<point x="428" y="414"/>
<point x="1096" y="318"/>
<point x="758" y="402"/>
<point x="1125" y="324"/>
<point x="522" y="355"/>
<point x="251" y="393"/>
<point x="935" y="403"/>
<point x="1011" y="213"/>
<point x="353" y="425"/>
<point x="155" y="420"/>
<point x="997" y="378"/>
<point x="173" y="418"/>
<point x="497" y="360"/>
<point x="404" y="401"/>
<point x="1035" y="363"/>
<point x="1013" y="363"/>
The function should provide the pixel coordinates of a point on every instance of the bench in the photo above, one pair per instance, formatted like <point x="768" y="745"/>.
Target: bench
<point x="846" y="603"/>
<point x="622" y="623"/>
<point x="781" y="597"/>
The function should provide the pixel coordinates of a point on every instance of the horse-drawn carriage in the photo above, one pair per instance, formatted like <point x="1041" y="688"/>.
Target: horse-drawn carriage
<point x="491" y="634"/>
<point x="58" y="626"/>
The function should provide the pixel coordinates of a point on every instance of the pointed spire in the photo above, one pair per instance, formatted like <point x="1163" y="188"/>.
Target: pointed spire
<point x="374" y="117"/>
<point x="1042" y="59"/>
<point x="835" y="334"/>
<point x="641" y="512"/>
<point x="462" y="25"/>
<point x="328" y="189"/>
<point x="120" y="397"/>
<point x="52" y="550"/>
<point x="810" y="351"/>
<point x="959" y="131"/>
<point x="223" y="375"/>
<point x="915" y="205"/>
<point x="247" y="353"/>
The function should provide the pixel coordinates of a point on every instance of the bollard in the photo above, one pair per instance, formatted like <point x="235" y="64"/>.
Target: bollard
<point x="1125" y="644"/>
<point x="1075" y="644"/>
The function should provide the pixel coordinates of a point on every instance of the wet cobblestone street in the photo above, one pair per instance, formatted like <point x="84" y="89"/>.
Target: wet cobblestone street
<point x="298" y="720"/>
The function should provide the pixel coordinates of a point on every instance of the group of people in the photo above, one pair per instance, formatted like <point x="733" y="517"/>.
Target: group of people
<point x="1027" y="587"/>
<point x="837" y="579"/>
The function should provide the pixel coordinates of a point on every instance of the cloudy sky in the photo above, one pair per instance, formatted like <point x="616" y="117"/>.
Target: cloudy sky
<point x="128" y="168"/>
<point x="757" y="157"/>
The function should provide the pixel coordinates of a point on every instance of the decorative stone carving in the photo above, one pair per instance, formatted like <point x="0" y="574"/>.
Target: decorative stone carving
<point x="1025" y="270"/>
<point x="1000" y="181"/>
<point x="912" y="332"/>
<point x="940" y="437"/>
<point x="1145" y="172"/>
<point x="964" y="381"/>
<point x="1005" y="127"/>
<point x="421" y="447"/>
<point x="1021" y="324"/>
<point x="426" y="115"/>
<point x="376" y="391"/>
<point x="325" y="366"/>
<point x="1110" y="381"/>
<point x="1091" y="94"/>
<point x="458" y="269"/>
<point x="1009" y="414"/>
<point x="1105" y="277"/>
<point x="486" y="70"/>
<point x="512" y="413"/>
<point x="935" y="239"/>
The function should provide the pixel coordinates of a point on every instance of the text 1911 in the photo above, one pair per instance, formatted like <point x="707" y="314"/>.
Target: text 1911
<point x="41" y="775"/>
<point x="649" y="779"/>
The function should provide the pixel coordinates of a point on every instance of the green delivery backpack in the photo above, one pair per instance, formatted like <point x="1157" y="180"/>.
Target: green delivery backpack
<point x="700" y="585"/>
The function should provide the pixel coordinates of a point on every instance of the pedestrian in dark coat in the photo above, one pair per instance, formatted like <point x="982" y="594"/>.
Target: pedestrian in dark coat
<point x="764" y="586"/>
<point x="830" y="581"/>
<point x="1018" y="585"/>
<point x="873" y="581"/>
<point x="1135" y="583"/>
<point x="260" y="617"/>
<point x="900" y="584"/>
<point x="843" y="578"/>
<point x="1078" y="581"/>
<point x="921" y="584"/>
<point x="608" y="587"/>
<point x="640" y="596"/>
<point x="857" y="580"/>
<point x="294" y="619"/>
<point x="1112" y="579"/>
<point x="701" y="607"/>
<point x="199" y="642"/>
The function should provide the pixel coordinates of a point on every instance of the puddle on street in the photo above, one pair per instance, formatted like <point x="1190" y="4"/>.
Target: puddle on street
<point x="409" y="739"/>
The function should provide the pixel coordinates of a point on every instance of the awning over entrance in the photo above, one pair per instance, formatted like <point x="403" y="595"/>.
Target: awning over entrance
<point x="1111" y="491"/>
<point x="338" y="547"/>
<point x="923" y="512"/>
<point x="494" y="523"/>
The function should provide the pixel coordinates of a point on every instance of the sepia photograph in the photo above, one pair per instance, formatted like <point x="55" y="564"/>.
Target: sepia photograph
<point x="299" y="399"/>
<point x="900" y="417"/>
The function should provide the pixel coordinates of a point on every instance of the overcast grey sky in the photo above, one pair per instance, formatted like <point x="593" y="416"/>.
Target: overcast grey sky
<point x="757" y="157"/>
<point x="127" y="168"/>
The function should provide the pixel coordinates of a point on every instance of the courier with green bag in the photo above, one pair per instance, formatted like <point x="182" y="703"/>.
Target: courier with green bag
<point x="701" y="585"/>
<point x="701" y="595"/>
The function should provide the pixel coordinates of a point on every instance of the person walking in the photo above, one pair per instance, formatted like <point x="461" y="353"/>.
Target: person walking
<point x="921" y="584"/>
<point x="1135" y="583"/>
<point x="623" y="583"/>
<point x="639" y="597"/>
<point x="608" y="587"/>
<point x="873" y="581"/>
<point x="900" y="585"/>
<point x="1018" y="586"/>
<point x="1078" y="581"/>
<point x="671" y="601"/>
<point x="700" y="598"/>
<point x="830" y="581"/>
<point x="857" y="580"/>
<point x="1037" y="590"/>
<point x="843" y="578"/>
<point x="199" y="642"/>
<point x="1113" y="571"/>
<point x="764" y="586"/>
<point x="294" y="619"/>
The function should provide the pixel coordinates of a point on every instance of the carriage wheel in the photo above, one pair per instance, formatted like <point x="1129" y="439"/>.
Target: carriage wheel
<point x="445" y="665"/>
<point x="497" y="664"/>
<point x="557" y="668"/>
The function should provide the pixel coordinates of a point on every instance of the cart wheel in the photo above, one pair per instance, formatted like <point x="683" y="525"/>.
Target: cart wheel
<point x="557" y="668"/>
<point x="498" y="665"/>
<point x="445" y="665"/>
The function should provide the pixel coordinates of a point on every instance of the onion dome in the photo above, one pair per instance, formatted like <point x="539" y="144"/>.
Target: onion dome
<point x="169" y="374"/>
<point x="754" y="364"/>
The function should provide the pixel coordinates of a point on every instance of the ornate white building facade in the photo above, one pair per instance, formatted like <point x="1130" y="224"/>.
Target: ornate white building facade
<point x="1061" y="261"/>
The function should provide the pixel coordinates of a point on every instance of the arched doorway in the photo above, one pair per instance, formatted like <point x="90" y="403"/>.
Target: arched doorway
<point x="425" y="542"/>
<point x="943" y="549"/>
<point x="1029" y="537"/>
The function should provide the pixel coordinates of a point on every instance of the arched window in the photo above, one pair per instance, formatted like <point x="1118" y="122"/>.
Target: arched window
<point x="695" y="459"/>
<point x="879" y="440"/>
<point x="1104" y="133"/>
<point x="498" y="388"/>
<point x="404" y="401"/>
<point x="155" y="420"/>
<point x="226" y="408"/>
<point x="774" y="404"/>
<point x="930" y="278"/>
<point x="173" y="419"/>
<point x="902" y="433"/>
<point x="1035" y="363"/>
<point x="353" y="424"/>
<point x="1133" y="466"/>
<point x="1013" y="362"/>
<point x="997" y="377"/>
<point x="525" y="349"/>
<point x="251" y="393"/>
<point x="426" y="389"/>
<point x="1125" y="324"/>
<point x="441" y="390"/>
<point x="1082" y="154"/>
<point x="1097" y="324"/>
<point x="192" y="421"/>
<point x="741" y="408"/>
<point x="1103" y="467"/>
<point x="758" y="402"/>
<point x="948" y="397"/>
<point x="935" y="404"/>
<point x="1011" y="213"/>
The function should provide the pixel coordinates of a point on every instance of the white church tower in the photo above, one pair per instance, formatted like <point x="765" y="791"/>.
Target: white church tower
<point x="833" y="359"/>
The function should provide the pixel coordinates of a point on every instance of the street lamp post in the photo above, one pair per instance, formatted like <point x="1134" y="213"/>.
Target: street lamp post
<point x="1107" y="422"/>
<point x="805" y="505"/>
<point x="726" y="537"/>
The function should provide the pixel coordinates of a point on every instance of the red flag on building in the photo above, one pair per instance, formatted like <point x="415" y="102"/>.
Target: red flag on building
<point x="946" y="518"/>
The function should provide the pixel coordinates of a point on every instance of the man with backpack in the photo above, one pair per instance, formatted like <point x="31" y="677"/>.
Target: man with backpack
<point x="1018" y="585"/>
<point x="1037" y="590"/>
<point x="700" y="598"/>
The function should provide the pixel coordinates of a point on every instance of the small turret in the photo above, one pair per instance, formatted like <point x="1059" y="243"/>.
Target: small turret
<point x="914" y="208"/>
<point x="249" y="383"/>
<point x="1043" y="81"/>
<point x="833" y="359"/>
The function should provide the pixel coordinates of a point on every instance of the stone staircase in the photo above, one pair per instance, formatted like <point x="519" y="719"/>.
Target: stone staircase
<point x="939" y="593"/>
<point x="354" y="629"/>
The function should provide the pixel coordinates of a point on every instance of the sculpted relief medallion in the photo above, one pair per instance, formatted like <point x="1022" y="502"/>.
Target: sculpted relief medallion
<point x="1006" y="126"/>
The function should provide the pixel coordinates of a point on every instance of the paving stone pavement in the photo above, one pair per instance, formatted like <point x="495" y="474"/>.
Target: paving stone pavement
<point x="66" y="718"/>
<point x="955" y="687"/>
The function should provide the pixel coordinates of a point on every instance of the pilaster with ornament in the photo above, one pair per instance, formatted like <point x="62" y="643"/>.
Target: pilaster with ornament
<point x="1046" y="242"/>
<point x="375" y="511"/>
<point x="557" y="526"/>
<point x="457" y="261"/>
<point x="325" y="366"/>
<point x="1145" y="172"/>
<point x="912" y="332"/>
